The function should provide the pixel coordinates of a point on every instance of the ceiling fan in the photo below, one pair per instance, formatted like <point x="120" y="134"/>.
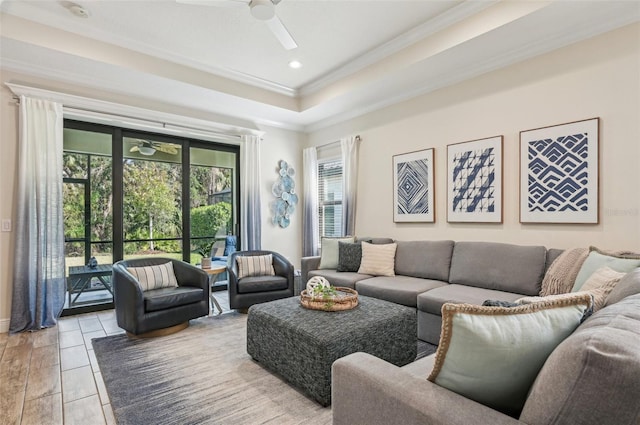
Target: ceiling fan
<point x="148" y="148"/>
<point x="264" y="10"/>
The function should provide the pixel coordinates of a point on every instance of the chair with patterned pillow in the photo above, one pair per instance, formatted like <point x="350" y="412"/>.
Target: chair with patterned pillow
<point x="158" y="296"/>
<point x="257" y="277"/>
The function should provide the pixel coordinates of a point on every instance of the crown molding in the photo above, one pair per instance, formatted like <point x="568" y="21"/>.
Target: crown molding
<point x="440" y="22"/>
<point x="586" y="30"/>
<point x="80" y="107"/>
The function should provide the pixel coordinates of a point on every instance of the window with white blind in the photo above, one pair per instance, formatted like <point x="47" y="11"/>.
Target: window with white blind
<point x="330" y="197"/>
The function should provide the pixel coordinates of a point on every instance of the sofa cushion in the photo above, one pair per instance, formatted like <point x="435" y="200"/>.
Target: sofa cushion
<point x="155" y="277"/>
<point x="336" y="278"/>
<point x="493" y="354"/>
<point x="427" y="259"/>
<point x="252" y="284"/>
<point x="329" y="252"/>
<point x="593" y="377"/>
<point x="398" y="289"/>
<point x="504" y="267"/>
<point x="163" y="298"/>
<point x="421" y="368"/>
<point x="432" y="301"/>
<point x="597" y="259"/>
<point x="628" y="285"/>
<point x="378" y="260"/>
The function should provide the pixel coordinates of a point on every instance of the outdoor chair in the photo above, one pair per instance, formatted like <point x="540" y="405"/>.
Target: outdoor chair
<point x="155" y="303"/>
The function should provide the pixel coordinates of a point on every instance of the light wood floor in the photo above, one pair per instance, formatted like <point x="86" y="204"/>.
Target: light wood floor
<point x="52" y="376"/>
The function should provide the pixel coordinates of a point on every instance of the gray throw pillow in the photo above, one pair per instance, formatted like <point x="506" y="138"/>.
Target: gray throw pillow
<point x="349" y="256"/>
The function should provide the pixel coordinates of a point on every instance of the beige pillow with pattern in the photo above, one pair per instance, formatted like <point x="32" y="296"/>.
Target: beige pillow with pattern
<point x="378" y="260"/>
<point x="600" y="284"/>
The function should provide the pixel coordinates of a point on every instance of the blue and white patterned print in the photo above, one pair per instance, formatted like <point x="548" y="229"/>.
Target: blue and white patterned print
<point x="413" y="187"/>
<point x="474" y="181"/>
<point x="558" y="174"/>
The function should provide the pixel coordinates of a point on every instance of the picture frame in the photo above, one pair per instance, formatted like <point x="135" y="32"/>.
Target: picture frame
<point x="559" y="173"/>
<point x="413" y="183"/>
<point x="474" y="181"/>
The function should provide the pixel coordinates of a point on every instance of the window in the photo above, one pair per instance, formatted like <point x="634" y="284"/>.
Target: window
<point x="129" y="194"/>
<point x="330" y="197"/>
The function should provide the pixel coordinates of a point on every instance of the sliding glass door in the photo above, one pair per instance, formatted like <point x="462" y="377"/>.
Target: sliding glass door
<point x="131" y="194"/>
<point x="152" y="198"/>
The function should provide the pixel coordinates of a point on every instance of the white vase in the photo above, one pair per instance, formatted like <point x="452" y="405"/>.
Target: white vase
<point x="206" y="263"/>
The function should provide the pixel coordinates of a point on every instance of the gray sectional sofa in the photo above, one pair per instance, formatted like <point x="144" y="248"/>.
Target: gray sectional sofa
<point x="591" y="378"/>
<point x="431" y="273"/>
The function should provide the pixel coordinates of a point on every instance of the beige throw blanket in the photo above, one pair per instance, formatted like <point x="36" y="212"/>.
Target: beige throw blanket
<point x="562" y="273"/>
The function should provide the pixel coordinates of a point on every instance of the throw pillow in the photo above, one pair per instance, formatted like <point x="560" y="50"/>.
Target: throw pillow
<point x="329" y="252"/>
<point x="155" y="277"/>
<point x="255" y="265"/>
<point x="493" y="354"/>
<point x="378" y="260"/>
<point x="600" y="285"/>
<point x="620" y="262"/>
<point x="628" y="285"/>
<point x="349" y="256"/>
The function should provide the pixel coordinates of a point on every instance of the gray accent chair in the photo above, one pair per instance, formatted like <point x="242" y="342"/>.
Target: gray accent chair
<point x="140" y="312"/>
<point x="245" y="292"/>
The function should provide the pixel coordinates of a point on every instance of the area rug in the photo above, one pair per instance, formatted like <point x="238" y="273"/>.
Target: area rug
<point x="201" y="375"/>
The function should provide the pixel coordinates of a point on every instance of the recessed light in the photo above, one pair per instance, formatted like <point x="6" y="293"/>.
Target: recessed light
<point x="295" y="64"/>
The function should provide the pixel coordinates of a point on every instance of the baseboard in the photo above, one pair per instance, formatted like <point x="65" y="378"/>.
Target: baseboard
<point x="4" y="325"/>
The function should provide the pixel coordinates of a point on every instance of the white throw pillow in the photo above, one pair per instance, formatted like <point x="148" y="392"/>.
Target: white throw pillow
<point x="155" y="277"/>
<point x="378" y="260"/>
<point x="329" y="253"/>
<point x="255" y="265"/>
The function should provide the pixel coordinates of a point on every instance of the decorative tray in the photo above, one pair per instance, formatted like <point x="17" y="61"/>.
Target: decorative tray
<point x="345" y="299"/>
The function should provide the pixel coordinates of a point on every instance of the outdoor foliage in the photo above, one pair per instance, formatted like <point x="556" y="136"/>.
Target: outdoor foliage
<point x="205" y="221"/>
<point x="152" y="207"/>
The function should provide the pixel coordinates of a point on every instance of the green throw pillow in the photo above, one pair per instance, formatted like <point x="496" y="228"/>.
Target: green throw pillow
<point x="329" y="253"/>
<point x="493" y="354"/>
<point x="597" y="259"/>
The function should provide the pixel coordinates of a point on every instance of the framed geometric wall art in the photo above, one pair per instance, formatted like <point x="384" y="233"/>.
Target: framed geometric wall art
<point x="474" y="181"/>
<point x="559" y="173"/>
<point x="413" y="194"/>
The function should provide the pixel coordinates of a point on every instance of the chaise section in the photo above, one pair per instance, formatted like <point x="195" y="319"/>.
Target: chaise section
<point x="397" y="289"/>
<point x="430" y="305"/>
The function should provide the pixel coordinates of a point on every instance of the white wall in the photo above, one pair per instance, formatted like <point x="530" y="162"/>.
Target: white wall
<point x="277" y="144"/>
<point x="599" y="77"/>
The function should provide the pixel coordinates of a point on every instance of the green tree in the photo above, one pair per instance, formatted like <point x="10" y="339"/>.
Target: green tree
<point x="152" y="201"/>
<point x="205" y="221"/>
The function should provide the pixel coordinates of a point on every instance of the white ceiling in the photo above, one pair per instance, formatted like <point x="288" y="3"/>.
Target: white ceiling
<point x="357" y="55"/>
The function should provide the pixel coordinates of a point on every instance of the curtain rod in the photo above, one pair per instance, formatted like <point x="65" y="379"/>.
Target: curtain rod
<point x="326" y="145"/>
<point x="161" y="124"/>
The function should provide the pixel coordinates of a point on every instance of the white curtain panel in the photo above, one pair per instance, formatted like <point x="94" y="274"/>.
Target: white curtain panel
<point x="39" y="268"/>
<point x="250" y="217"/>
<point x="310" y="223"/>
<point x="349" y="146"/>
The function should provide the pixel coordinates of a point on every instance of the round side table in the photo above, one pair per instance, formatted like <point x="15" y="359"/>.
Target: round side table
<point x="212" y="272"/>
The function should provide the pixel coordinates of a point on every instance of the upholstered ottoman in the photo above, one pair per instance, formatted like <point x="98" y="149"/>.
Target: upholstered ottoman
<point x="300" y="344"/>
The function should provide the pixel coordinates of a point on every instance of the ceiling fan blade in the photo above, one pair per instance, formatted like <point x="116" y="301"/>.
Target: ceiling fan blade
<point x="167" y="149"/>
<point x="280" y="31"/>
<point x="217" y="3"/>
<point x="134" y="149"/>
